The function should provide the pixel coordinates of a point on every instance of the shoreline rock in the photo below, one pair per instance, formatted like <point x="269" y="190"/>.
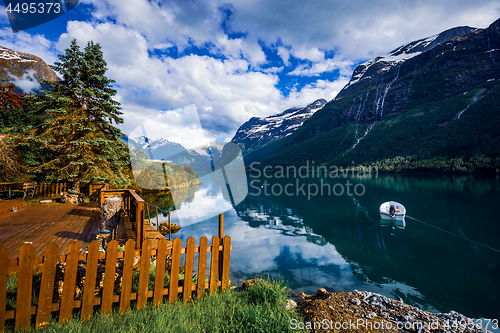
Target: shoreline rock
<point x="362" y="311"/>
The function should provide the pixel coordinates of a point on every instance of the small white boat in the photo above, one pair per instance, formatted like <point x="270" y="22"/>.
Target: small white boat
<point x="392" y="210"/>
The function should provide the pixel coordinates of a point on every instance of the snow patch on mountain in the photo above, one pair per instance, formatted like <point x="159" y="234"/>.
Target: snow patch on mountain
<point x="406" y="52"/>
<point x="262" y="130"/>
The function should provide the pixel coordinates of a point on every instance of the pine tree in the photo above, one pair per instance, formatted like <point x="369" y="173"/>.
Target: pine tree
<point x="80" y="111"/>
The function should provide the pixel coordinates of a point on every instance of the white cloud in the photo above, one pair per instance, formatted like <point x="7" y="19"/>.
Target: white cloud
<point x="312" y="54"/>
<point x="229" y="92"/>
<point x="311" y="92"/>
<point x="27" y="82"/>
<point x="239" y="48"/>
<point x="327" y="65"/>
<point x="33" y="44"/>
<point x="356" y="30"/>
<point x="284" y="54"/>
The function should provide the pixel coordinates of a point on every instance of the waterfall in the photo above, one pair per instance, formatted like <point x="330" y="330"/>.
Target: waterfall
<point x="378" y="104"/>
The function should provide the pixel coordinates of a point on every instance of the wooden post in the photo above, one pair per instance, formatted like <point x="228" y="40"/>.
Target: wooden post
<point x="157" y="223"/>
<point x="169" y="228"/>
<point x="139" y="219"/>
<point x="221" y="239"/>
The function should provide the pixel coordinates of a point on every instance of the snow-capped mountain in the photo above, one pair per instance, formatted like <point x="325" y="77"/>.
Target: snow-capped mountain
<point x="16" y="66"/>
<point x="384" y="63"/>
<point x="164" y="150"/>
<point x="432" y="99"/>
<point x="258" y="132"/>
<point x="159" y="149"/>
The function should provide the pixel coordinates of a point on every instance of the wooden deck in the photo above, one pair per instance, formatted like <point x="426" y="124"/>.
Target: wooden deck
<point x="125" y="232"/>
<point x="42" y="224"/>
<point x="60" y="223"/>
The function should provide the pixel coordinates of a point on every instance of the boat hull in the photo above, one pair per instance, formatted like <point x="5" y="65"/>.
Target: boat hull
<point x="397" y="217"/>
<point x="400" y="211"/>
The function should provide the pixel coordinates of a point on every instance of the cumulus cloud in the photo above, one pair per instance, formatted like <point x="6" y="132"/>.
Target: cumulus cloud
<point x="238" y="48"/>
<point x="356" y="30"/>
<point x="236" y="78"/>
<point x="284" y="54"/>
<point x="33" y="44"/>
<point x="27" y="82"/>
<point x="324" y="66"/>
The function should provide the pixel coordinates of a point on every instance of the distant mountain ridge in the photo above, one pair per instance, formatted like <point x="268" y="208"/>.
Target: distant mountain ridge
<point x="14" y="65"/>
<point x="258" y="135"/>
<point x="432" y="99"/>
<point x="164" y="150"/>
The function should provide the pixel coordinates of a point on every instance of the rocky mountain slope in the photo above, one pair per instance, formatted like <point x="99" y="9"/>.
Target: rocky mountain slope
<point x="432" y="98"/>
<point x="163" y="150"/>
<point x="14" y="65"/>
<point x="258" y="136"/>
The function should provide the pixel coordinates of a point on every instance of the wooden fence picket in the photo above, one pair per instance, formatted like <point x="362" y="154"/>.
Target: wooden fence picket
<point x="69" y="286"/>
<point x="47" y="286"/>
<point x="202" y="267"/>
<point x="25" y="265"/>
<point x="128" y="270"/>
<point x="142" y="293"/>
<point x="214" y="270"/>
<point x="160" y="271"/>
<point x="174" y="271"/>
<point x="4" y="271"/>
<point x="188" y="271"/>
<point x="24" y="285"/>
<point x="225" y="262"/>
<point x="109" y="277"/>
<point x="90" y="281"/>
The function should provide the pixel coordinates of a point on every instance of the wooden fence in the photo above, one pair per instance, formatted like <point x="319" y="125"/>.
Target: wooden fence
<point x="27" y="264"/>
<point x="95" y="191"/>
<point x="50" y="189"/>
<point x="43" y="189"/>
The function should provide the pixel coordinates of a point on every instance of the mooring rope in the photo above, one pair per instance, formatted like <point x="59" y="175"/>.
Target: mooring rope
<point x="150" y="205"/>
<point x="452" y="233"/>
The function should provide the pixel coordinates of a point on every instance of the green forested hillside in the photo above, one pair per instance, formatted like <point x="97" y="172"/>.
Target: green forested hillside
<point x="438" y="110"/>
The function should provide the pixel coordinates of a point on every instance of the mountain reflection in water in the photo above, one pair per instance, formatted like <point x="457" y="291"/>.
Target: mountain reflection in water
<point x="338" y="242"/>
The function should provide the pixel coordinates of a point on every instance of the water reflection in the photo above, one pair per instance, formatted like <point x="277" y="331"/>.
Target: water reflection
<point x="393" y="224"/>
<point x="340" y="242"/>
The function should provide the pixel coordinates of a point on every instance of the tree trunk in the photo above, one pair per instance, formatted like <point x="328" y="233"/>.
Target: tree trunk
<point x="76" y="186"/>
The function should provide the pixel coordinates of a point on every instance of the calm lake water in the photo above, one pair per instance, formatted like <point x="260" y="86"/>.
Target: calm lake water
<point x="338" y="241"/>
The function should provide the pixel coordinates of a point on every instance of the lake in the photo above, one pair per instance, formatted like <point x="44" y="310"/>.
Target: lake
<point x="447" y="260"/>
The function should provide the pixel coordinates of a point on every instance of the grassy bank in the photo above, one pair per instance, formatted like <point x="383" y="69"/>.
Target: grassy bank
<point x="260" y="308"/>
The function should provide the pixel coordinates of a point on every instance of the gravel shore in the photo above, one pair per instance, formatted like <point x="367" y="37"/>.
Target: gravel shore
<point x="362" y="311"/>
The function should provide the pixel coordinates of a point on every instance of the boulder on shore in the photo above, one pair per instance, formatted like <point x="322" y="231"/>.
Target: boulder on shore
<point x="163" y="228"/>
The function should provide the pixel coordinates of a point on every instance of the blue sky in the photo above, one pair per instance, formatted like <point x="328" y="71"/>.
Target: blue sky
<point x="234" y="60"/>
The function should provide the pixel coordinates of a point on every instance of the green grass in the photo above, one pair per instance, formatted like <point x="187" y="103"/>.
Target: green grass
<point x="260" y="308"/>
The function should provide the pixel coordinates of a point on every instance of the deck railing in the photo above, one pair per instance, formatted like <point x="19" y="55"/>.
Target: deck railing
<point x="133" y="206"/>
<point x="105" y="296"/>
<point x="44" y="189"/>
